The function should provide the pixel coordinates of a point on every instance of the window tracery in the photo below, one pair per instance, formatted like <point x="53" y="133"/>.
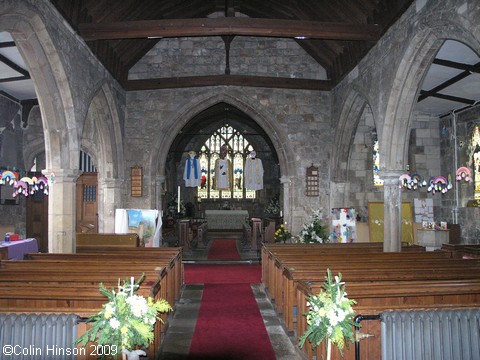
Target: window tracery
<point x="238" y="149"/>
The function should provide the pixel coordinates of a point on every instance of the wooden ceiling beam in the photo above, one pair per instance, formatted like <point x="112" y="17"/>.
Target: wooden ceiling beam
<point x="229" y="80"/>
<point x="228" y="26"/>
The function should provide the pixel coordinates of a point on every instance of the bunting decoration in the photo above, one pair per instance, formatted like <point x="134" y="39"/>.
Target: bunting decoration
<point x="412" y="182"/>
<point x="24" y="186"/>
<point x="463" y="173"/>
<point x="440" y="184"/>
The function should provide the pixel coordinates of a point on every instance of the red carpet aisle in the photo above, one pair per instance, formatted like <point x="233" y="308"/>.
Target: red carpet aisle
<point x="223" y="249"/>
<point x="229" y="324"/>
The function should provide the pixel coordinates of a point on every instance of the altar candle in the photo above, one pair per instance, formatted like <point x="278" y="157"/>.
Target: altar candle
<point x="178" y="202"/>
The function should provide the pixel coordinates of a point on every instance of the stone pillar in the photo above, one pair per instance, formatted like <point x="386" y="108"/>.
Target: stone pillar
<point x="61" y="210"/>
<point x="159" y="191"/>
<point x="109" y="198"/>
<point x="392" y="211"/>
<point x="287" y="203"/>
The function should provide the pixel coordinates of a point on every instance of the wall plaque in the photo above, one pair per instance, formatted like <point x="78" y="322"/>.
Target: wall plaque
<point x="136" y="180"/>
<point x="312" y="181"/>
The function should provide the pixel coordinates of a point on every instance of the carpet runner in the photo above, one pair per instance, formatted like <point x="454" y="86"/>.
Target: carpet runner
<point x="223" y="249"/>
<point x="229" y="324"/>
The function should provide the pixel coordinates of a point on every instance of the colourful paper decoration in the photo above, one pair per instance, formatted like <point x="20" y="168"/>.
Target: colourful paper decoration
<point x="464" y="173"/>
<point x="26" y="185"/>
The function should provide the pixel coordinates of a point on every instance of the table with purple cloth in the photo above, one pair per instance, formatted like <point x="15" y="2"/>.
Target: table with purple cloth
<point x="15" y="250"/>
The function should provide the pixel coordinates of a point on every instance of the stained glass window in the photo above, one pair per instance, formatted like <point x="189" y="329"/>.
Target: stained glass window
<point x="476" y="161"/>
<point x="238" y="149"/>
<point x="377" y="181"/>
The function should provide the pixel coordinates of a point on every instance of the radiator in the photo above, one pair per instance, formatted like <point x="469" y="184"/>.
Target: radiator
<point x="38" y="336"/>
<point x="431" y="335"/>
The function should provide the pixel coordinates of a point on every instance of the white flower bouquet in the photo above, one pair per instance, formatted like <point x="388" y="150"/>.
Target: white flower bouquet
<point x="314" y="231"/>
<point x="330" y="317"/>
<point x="125" y="321"/>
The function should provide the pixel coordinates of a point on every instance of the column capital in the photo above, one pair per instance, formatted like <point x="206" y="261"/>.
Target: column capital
<point x="391" y="177"/>
<point x="62" y="175"/>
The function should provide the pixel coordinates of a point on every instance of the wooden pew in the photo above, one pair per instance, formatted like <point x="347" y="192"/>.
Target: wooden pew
<point x="271" y="252"/>
<point x="452" y="282"/>
<point x="53" y="283"/>
<point x="110" y="240"/>
<point x="462" y="251"/>
<point x="375" y="298"/>
<point x="373" y="270"/>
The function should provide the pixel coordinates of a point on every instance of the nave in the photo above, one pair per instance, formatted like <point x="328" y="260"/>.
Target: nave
<point x="223" y="271"/>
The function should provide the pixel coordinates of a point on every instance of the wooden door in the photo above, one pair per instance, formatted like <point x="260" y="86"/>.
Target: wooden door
<point x="87" y="194"/>
<point x="37" y="219"/>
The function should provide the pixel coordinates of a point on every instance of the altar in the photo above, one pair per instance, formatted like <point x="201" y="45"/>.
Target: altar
<point x="15" y="250"/>
<point x="226" y="219"/>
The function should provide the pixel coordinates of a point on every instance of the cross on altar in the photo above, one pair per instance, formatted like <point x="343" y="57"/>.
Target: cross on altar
<point x="344" y="223"/>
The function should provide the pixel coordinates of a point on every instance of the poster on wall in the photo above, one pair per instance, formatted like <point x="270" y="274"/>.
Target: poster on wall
<point x="423" y="209"/>
<point x="344" y="225"/>
<point x="146" y="223"/>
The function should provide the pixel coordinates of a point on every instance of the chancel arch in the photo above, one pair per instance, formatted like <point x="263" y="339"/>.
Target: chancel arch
<point x="224" y="124"/>
<point x="167" y="147"/>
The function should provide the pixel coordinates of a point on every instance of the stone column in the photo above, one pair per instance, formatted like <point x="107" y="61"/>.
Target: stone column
<point x="392" y="211"/>
<point x="61" y="210"/>
<point x="159" y="191"/>
<point x="287" y="203"/>
<point x="109" y="198"/>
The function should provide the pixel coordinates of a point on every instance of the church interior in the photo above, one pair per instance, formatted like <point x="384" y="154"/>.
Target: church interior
<point x="297" y="128"/>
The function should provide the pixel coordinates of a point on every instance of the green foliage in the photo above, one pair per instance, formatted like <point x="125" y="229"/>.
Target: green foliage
<point x="126" y="320"/>
<point x="330" y="316"/>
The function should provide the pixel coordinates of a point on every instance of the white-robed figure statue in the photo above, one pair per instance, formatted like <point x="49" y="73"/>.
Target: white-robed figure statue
<point x="223" y="171"/>
<point x="192" y="173"/>
<point x="253" y="172"/>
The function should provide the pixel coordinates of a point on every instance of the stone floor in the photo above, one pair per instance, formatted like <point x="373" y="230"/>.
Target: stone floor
<point x="178" y="336"/>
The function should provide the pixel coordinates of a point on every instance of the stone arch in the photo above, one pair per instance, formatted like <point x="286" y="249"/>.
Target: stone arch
<point x="102" y="138"/>
<point x="36" y="45"/>
<point x="352" y="110"/>
<point x="34" y="141"/>
<point x="184" y="115"/>
<point x="47" y="71"/>
<point x="238" y="99"/>
<point x="394" y="138"/>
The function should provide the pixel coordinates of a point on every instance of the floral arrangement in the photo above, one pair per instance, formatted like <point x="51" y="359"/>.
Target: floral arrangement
<point x="282" y="234"/>
<point x="314" y="231"/>
<point x="173" y="205"/>
<point x="273" y="207"/>
<point x="125" y="321"/>
<point x="330" y="316"/>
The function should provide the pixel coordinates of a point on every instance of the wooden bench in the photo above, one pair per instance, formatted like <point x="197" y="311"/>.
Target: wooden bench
<point x="69" y="283"/>
<point x="380" y="280"/>
<point x="462" y="251"/>
<point x="110" y="240"/>
<point x="375" y="298"/>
